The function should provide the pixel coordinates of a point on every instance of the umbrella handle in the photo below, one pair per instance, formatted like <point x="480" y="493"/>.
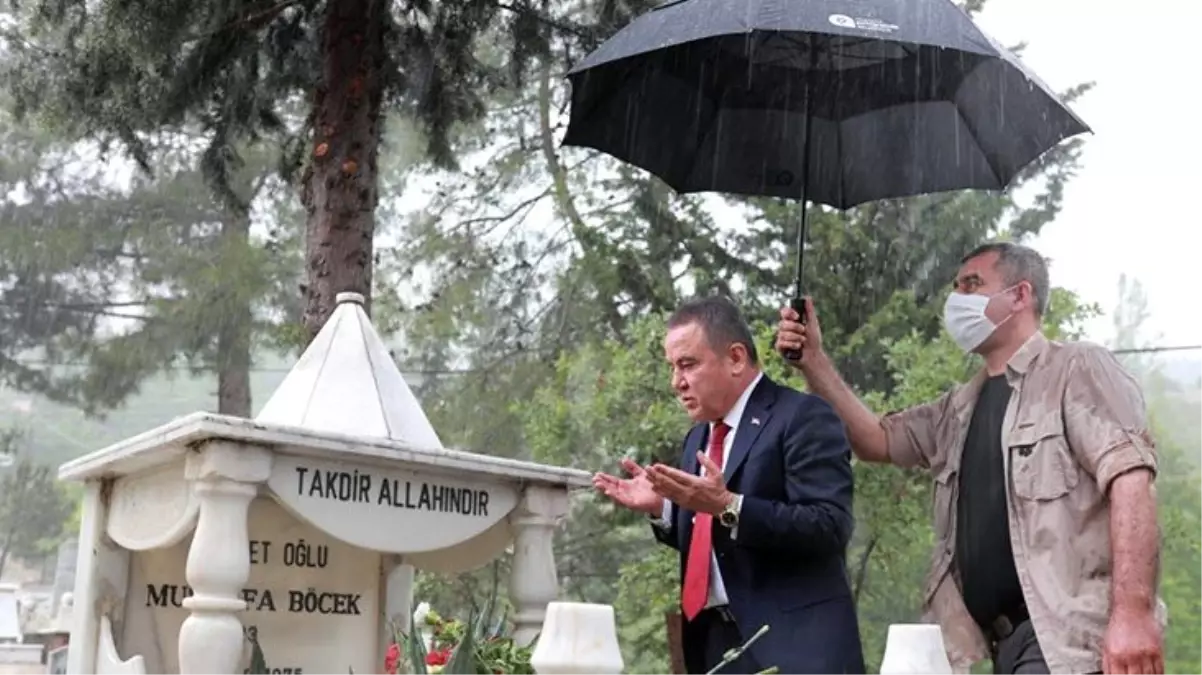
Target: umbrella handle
<point x="799" y="305"/>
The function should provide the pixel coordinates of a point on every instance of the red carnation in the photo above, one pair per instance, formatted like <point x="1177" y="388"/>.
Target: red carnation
<point x="438" y="657"/>
<point x="391" y="658"/>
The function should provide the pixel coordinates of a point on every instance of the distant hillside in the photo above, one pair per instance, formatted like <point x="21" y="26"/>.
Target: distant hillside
<point x="60" y="433"/>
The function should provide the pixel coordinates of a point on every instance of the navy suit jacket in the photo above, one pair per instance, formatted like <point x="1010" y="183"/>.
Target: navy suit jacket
<point x="787" y="567"/>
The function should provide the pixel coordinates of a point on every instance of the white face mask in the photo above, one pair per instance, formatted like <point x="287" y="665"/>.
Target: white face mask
<point x="965" y="320"/>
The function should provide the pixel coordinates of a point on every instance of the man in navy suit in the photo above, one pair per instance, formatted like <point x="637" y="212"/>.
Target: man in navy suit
<point x="760" y="508"/>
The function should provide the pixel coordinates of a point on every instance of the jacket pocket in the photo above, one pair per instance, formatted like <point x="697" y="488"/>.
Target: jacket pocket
<point x="944" y="514"/>
<point x="944" y="504"/>
<point x="1042" y="467"/>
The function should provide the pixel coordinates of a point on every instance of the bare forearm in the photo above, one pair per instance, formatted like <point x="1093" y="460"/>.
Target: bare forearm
<point x="864" y="430"/>
<point x="1134" y="541"/>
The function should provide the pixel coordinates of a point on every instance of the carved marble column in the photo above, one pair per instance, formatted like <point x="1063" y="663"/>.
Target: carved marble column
<point x="398" y="580"/>
<point x="226" y="477"/>
<point x="533" y="583"/>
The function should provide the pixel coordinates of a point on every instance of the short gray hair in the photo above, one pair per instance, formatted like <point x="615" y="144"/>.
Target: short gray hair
<point x="1018" y="263"/>
<point x="721" y="321"/>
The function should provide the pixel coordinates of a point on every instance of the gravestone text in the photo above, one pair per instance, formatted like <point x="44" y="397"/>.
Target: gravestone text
<point x="311" y="600"/>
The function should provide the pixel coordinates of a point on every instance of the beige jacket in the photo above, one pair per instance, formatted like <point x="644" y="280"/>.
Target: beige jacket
<point x="1076" y="420"/>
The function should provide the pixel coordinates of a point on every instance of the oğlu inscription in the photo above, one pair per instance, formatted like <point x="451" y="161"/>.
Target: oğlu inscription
<point x="295" y="554"/>
<point x="360" y="488"/>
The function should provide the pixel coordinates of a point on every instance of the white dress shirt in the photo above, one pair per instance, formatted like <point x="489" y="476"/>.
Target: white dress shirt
<point x="717" y="592"/>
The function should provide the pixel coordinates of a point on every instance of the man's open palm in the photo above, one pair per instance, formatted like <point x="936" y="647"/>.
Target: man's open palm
<point x="634" y="493"/>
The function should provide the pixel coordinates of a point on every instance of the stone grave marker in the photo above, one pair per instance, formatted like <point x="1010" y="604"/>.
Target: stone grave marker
<point x="301" y="527"/>
<point x="306" y="591"/>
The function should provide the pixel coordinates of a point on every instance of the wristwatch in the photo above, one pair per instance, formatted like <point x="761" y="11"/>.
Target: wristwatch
<point x="729" y="517"/>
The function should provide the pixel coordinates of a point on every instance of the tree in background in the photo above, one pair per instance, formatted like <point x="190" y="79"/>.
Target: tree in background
<point x="553" y="331"/>
<point x="122" y="71"/>
<point x="34" y="509"/>
<point x="549" y="323"/>
<point x="103" y="284"/>
<point x="533" y="250"/>
<point x="1177" y="428"/>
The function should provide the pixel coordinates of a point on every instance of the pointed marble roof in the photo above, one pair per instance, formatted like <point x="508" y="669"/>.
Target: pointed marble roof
<point x="347" y="383"/>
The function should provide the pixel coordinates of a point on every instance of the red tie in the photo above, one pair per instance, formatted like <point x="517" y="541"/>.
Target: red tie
<point x="701" y="548"/>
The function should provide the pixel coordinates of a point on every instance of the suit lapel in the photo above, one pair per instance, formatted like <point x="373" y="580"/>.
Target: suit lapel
<point x="755" y="417"/>
<point x="694" y="442"/>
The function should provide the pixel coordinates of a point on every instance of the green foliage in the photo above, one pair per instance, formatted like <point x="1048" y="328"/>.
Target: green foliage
<point x="121" y="71"/>
<point x="34" y="508"/>
<point x="557" y="328"/>
<point x="1176" y="421"/>
<point x="627" y="381"/>
<point x="258" y="662"/>
<point x="480" y="644"/>
<point x="487" y="649"/>
<point x="109" y="284"/>
<point x="644" y="599"/>
<point x="1180" y="511"/>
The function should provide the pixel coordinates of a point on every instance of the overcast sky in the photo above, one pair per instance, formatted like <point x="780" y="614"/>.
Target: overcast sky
<point x="1132" y="208"/>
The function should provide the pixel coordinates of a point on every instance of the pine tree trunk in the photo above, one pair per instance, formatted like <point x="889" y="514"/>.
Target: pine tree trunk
<point x="233" y="337"/>
<point x="341" y="180"/>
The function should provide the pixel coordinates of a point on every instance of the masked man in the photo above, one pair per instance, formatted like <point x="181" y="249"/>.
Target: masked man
<point x="1047" y="544"/>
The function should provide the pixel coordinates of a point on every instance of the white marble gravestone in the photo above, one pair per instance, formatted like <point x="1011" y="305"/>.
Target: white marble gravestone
<point x="915" y="648"/>
<point x="302" y="526"/>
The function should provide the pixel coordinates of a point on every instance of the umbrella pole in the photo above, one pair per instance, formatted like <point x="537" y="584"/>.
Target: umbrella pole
<point x="798" y="289"/>
<point x="798" y="302"/>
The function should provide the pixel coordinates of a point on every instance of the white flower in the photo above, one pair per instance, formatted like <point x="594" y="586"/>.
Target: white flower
<point x="419" y="614"/>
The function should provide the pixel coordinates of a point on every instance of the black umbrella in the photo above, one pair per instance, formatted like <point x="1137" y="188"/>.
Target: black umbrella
<point x="836" y="101"/>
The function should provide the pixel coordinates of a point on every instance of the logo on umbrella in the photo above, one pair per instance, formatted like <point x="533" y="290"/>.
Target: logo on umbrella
<point x="862" y="23"/>
<point x="843" y="21"/>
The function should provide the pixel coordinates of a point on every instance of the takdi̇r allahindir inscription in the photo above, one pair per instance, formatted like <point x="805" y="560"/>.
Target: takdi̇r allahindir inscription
<point x="361" y="487"/>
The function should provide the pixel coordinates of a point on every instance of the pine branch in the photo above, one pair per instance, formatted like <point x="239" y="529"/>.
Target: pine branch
<point x="251" y="22"/>
<point x="575" y="30"/>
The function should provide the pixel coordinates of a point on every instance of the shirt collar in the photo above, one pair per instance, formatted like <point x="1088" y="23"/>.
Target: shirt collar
<point x="1027" y="354"/>
<point x="735" y="415"/>
<point x="1016" y="369"/>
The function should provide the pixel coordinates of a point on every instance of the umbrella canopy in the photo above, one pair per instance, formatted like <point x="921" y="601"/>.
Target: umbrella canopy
<point x="835" y="101"/>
